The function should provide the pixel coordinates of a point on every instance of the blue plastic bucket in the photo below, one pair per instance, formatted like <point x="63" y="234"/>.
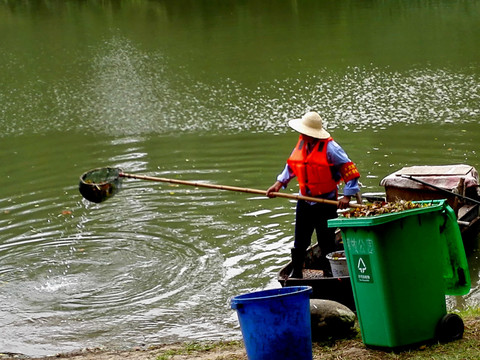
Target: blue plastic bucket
<point x="275" y="323"/>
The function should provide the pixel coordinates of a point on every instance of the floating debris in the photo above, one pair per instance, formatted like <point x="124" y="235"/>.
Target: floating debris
<point x="381" y="207"/>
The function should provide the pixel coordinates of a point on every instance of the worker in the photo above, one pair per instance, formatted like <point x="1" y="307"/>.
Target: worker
<point x="319" y="164"/>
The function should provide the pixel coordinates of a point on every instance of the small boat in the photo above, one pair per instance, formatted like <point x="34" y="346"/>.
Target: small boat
<point x="459" y="184"/>
<point x="338" y="289"/>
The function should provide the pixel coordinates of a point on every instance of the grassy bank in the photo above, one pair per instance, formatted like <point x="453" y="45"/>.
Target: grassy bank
<point x="353" y="348"/>
<point x="466" y="348"/>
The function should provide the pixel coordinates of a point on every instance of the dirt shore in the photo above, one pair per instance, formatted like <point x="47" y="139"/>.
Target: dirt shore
<point x="199" y="351"/>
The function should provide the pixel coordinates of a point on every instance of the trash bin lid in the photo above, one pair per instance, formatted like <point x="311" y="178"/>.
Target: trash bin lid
<point x="430" y="206"/>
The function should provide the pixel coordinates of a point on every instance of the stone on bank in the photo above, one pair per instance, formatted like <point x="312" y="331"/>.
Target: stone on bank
<point x="330" y="319"/>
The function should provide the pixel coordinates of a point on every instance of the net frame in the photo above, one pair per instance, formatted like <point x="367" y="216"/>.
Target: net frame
<point x="100" y="184"/>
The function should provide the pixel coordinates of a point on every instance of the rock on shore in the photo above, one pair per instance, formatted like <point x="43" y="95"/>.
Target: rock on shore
<point x="331" y="319"/>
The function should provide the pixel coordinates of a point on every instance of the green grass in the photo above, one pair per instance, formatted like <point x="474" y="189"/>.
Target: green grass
<point x="199" y="347"/>
<point x="467" y="348"/>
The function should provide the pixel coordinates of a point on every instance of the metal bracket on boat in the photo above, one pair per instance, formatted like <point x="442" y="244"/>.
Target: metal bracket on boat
<point x="441" y="189"/>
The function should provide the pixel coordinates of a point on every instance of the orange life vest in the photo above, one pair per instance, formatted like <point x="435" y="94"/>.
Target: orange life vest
<point x="312" y="170"/>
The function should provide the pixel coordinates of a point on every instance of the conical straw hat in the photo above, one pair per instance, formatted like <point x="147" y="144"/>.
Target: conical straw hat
<point x="310" y="124"/>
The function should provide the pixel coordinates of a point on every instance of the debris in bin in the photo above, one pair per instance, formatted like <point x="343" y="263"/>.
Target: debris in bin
<point x="381" y="207"/>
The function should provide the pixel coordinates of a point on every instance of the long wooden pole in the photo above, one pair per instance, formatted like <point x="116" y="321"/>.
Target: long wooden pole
<point x="234" y="188"/>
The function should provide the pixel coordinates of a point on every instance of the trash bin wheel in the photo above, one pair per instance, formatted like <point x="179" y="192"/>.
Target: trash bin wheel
<point x="450" y="328"/>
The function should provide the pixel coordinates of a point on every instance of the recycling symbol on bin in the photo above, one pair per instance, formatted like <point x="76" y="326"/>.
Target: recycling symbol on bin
<point x="361" y="265"/>
<point x="363" y="270"/>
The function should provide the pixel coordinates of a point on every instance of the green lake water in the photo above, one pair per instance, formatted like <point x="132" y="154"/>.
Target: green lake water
<point x="200" y="91"/>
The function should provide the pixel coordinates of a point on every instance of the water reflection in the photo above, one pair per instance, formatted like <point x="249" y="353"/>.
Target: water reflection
<point x="130" y="92"/>
<point x="117" y="82"/>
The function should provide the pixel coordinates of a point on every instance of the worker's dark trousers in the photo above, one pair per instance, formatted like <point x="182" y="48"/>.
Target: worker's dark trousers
<point x="314" y="217"/>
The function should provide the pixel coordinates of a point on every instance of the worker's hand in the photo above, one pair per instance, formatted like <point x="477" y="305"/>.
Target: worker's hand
<point x="344" y="202"/>
<point x="274" y="188"/>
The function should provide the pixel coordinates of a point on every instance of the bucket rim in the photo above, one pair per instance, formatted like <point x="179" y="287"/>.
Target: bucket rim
<point x="271" y="294"/>
<point x="335" y="258"/>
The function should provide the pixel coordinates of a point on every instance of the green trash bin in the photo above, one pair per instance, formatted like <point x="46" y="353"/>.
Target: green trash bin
<point x="401" y="267"/>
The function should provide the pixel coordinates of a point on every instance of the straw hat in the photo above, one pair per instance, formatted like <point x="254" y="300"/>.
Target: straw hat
<point x="310" y="124"/>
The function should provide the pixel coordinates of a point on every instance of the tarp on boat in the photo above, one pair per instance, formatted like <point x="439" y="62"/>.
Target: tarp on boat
<point x="459" y="179"/>
<point x="447" y="177"/>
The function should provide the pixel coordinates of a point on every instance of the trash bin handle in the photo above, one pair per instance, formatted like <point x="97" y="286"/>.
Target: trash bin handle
<point x="445" y="221"/>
